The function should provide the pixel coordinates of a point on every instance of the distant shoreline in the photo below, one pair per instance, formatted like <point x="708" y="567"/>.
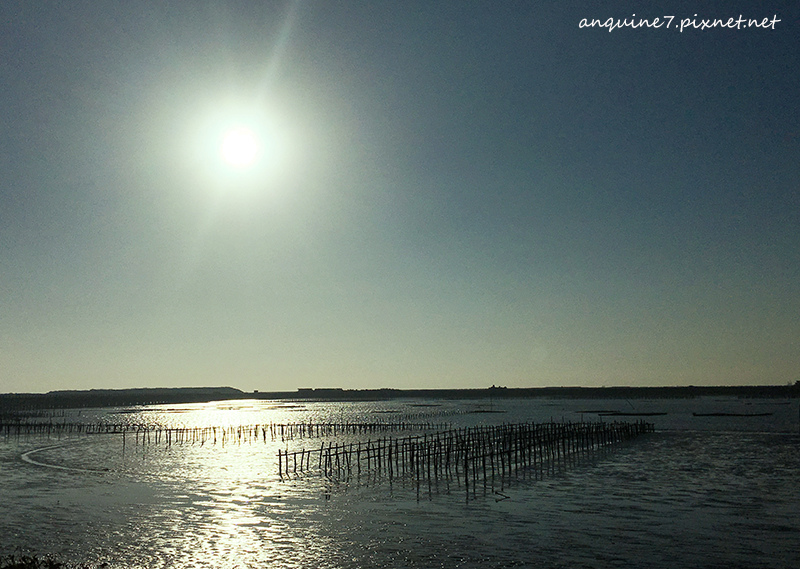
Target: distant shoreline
<point x="150" y="396"/>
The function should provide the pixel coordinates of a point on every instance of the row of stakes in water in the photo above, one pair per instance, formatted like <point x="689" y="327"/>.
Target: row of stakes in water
<point x="144" y="434"/>
<point x="472" y="454"/>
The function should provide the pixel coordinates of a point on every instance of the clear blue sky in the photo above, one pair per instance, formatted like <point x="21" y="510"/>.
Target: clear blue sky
<point x="448" y="194"/>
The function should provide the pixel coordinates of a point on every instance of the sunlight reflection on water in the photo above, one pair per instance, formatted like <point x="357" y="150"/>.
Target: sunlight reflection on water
<point x="675" y="498"/>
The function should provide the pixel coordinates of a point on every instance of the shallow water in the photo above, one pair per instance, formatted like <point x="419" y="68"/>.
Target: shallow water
<point x="700" y="492"/>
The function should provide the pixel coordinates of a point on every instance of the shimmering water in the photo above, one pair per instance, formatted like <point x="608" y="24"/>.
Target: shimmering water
<point x="700" y="492"/>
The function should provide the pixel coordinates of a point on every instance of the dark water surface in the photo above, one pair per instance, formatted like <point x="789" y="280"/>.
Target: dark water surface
<point x="700" y="492"/>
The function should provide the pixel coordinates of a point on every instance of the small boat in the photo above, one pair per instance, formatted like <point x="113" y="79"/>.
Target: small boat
<point x="633" y="414"/>
<point x="731" y="414"/>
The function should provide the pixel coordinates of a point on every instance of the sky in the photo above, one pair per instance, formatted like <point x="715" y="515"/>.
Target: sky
<point x="446" y="194"/>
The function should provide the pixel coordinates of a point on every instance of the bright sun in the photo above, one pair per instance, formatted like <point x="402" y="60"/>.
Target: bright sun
<point x="240" y="147"/>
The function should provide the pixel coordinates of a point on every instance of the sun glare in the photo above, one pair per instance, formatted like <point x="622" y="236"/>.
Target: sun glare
<point x="237" y="149"/>
<point x="240" y="147"/>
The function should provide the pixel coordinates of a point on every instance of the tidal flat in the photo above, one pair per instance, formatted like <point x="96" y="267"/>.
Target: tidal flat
<point x="703" y="490"/>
